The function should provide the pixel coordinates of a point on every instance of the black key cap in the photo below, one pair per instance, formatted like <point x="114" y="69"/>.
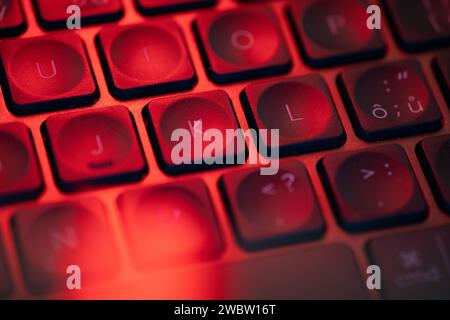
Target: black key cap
<point x="435" y="156"/>
<point x="390" y="100"/>
<point x="414" y="265"/>
<point x="420" y="24"/>
<point x="332" y="32"/>
<point x="373" y="188"/>
<point x="442" y="68"/>
<point x="5" y="282"/>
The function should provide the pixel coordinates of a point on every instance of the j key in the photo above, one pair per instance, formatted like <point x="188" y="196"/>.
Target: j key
<point x="48" y="72"/>
<point x="12" y="20"/>
<point x="373" y="188"/>
<point x="415" y="265"/>
<point x="283" y="207"/>
<point x="164" y="6"/>
<point x="5" y="282"/>
<point x="20" y="176"/>
<point x="435" y="155"/>
<point x="50" y="238"/>
<point x="145" y="59"/>
<point x="171" y="225"/>
<point x="442" y="69"/>
<point x="54" y="14"/>
<point x="179" y="128"/>
<point x="242" y="44"/>
<point x="300" y="108"/>
<point x="420" y="24"/>
<point x="96" y="148"/>
<point x="390" y="100"/>
<point x="332" y="32"/>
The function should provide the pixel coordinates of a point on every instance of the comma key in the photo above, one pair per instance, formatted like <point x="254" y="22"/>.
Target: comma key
<point x="414" y="265"/>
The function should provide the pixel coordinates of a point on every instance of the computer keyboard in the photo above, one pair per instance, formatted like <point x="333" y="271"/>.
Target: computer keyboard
<point x="87" y="176"/>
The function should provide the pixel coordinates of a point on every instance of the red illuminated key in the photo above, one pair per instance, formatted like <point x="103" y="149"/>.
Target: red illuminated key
<point x="422" y="24"/>
<point x="332" y="32"/>
<point x="241" y="44"/>
<point x="171" y="224"/>
<point x="195" y="115"/>
<point x="301" y="108"/>
<point x="435" y="156"/>
<point x="165" y="6"/>
<point x="94" y="148"/>
<point x="5" y="282"/>
<point x="12" y="20"/>
<point x="50" y="238"/>
<point x="373" y="188"/>
<point x="44" y="73"/>
<point x="145" y="59"/>
<point x="53" y="14"/>
<point x="390" y="100"/>
<point x="273" y="210"/>
<point x="20" y="176"/>
<point x="442" y="68"/>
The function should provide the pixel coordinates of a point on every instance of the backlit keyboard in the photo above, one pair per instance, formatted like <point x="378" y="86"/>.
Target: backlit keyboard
<point x="87" y="172"/>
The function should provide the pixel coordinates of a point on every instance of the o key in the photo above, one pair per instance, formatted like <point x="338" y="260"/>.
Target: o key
<point x="47" y="73"/>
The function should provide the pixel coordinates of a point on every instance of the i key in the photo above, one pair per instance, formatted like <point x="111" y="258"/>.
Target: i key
<point x="46" y="73"/>
<point x="12" y="20"/>
<point x="442" y="68"/>
<point x="390" y="100"/>
<point x="150" y="7"/>
<point x="373" y="188"/>
<point x="283" y="207"/>
<point x="5" y="282"/>
<point x="95" y="148"/>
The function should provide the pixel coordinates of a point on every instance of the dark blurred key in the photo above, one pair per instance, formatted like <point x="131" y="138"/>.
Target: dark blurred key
<point x="435" y="155"/>
<point x="332" y="32"/>
<point x="390" y="100"/>
<point x="20" y="176"/>
<point x="195" y="114"/>
<point x="420" y="24"/>
<point x="442" y="68"/>
<point x="50" y="238"/>
<point x="170" y="224"/>
<point x="95" y="148"/>
<point x="373" y="188"/>
<point x="5" y="281"/>
<point x="165" y="6"/>
<point x="273" y="210"/>
<point x="242" y="43"/>
<point x="12" y="20"/>
<point x="301" y="108"/>
<point x="145" y="59"/>
<point x="46" y="73"/>
<point x="415" y="265"/>
<point x="53" y="14"/>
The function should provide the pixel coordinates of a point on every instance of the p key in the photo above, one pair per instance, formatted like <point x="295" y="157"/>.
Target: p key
<point x="94" y="148"/>
<point x="46" y="73"/>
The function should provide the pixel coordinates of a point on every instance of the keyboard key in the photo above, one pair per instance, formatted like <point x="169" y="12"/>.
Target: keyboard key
<point x="283" y="207"/>
<point x="53" y="15"/>
<point x="435" y="155"/>
<point x="301" y="108"/>
<point x="150" y="7"/>
<point x="96" y="148"/>
<point x="373" y="188"/>
<point x="333" y="32"/>
<point x="145" y="59"/>
<point x="171" y="224"/>
<point x="12" y="20"/>
<point x="195" y="114"/>
<point x="46" y="73"/>
<point x="242" y="44"/>
<point x="5" y="281"/>
<point x="390" y="100"/>
<point x="414" y="265"/>
<point x="420" y="25"/>
<point x="51" y="238"/>
<point x="20" y="176"/>
<point x="442" y="68"/>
